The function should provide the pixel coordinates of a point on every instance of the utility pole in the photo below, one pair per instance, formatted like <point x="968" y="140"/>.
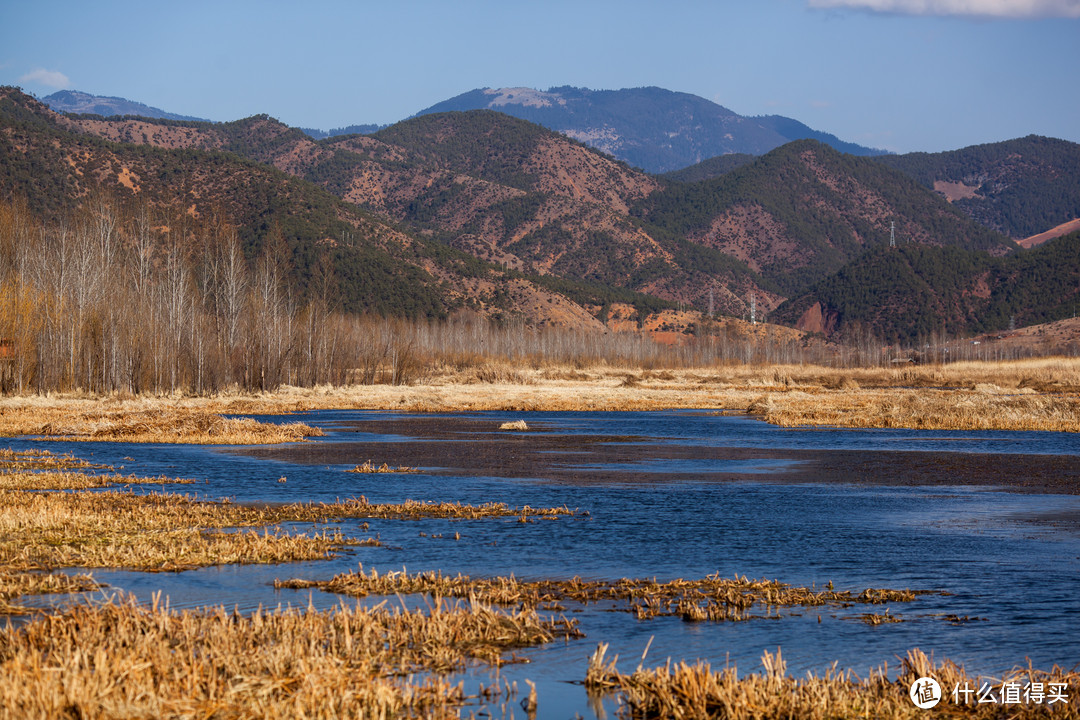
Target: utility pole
<point x="753" y="309"/>
<point x="892" y="234"/>
<point x="710" y="303"/>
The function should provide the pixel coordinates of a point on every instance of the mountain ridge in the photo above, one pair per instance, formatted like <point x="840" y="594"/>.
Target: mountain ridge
<point x="508" y="217"/>
<point x="652" y="128"/>
<point x="82" y="103"/>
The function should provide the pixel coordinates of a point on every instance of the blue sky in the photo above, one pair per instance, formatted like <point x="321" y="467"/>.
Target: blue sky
<point x="905" y="75"/>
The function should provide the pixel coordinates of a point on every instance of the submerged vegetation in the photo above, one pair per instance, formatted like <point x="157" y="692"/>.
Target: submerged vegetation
<point x="166" y="531"/>
<point x="712" y="598"/>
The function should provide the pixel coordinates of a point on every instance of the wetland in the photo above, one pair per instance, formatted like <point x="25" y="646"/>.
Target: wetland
<point x="689" y="535"/>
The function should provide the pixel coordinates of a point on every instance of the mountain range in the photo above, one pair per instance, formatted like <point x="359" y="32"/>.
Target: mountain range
<point x="651" y="128"/>
<point x="478" y="209"/>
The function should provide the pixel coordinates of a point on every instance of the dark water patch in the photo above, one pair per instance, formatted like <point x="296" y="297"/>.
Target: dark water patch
<point x="564" y="452"/>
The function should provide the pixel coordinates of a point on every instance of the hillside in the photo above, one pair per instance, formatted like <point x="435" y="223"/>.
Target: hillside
<point x="802" y="211"/>
<point x="516" y="193"/>
<point x="651" y="128"/>
<point x="374" y="266"/>
<point x="1019" y="187"/>
<point x="714" y="167"/>
<point x="910" y="292"/>
<point x="530" y="200"/>
<point x="501" y="189"/>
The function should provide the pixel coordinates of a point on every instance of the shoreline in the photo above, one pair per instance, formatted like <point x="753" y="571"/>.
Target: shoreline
<point x="1042" y="395"/>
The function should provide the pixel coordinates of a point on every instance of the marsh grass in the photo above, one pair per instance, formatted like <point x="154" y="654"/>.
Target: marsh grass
<point x="44" y="460"/>
<point x="1042" y="394"/>
<point x="368" y="467"/>
<point x="119" y="659"/>
<point x="924" y="409"/>
<point x="78" y="481"/>
<point x="147" y="421"/>
<point x="696" y="691"/>
<point x="516" y="425"/>
<point x="361" y="508"/>
<point x="155" y="532"/>
<point x="165" y="531"/>
<point x="14" y="584"/>
<point x="712" y="598"/>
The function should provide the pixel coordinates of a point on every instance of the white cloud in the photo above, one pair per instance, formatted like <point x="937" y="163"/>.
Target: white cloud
<point x="51" y="78"/>
<point x="980" y="8"/>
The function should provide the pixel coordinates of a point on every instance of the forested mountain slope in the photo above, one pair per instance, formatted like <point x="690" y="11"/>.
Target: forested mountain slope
<point x="190" y="194"/>
<point x="1018" y="187"/>
<point x="803" y="210"/>
<point x="905" y="294"/>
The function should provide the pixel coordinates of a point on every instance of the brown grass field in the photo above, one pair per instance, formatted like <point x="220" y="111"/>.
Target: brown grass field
<point x="1035" y="394"/>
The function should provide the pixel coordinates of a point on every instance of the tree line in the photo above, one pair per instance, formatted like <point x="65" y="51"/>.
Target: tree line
<point x="136" y="300"/>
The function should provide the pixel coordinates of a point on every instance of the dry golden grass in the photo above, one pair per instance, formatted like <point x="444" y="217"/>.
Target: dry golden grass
<point x="156" y="531"/>
<point x="44" y="460"/>
<point x="121" y="660"/>
<point x="515" y="425"/>
<point x="929" y="409"/>
<point x="712" y="598"/>
<point x="371" y="468"/>
<point x="43" y="470"/>
<point x="15" y="584"/>
<point x="361" y="508"/>
<point x="142" y="421"/>
<point x="76" y="481"/>
<point x="1039" y="394"/>
<point x="161" y="531"/>
<point x="698" y="692"/>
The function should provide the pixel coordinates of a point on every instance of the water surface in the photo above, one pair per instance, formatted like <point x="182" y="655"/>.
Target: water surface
<point x="985" y="517"/>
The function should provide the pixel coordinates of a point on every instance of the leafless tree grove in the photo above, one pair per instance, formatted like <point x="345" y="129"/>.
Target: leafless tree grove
<point x="141" y="301"/>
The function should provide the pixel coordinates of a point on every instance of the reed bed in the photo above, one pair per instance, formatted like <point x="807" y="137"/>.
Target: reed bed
<point x="516" y="425"/>
<point x="1039" y="394"/>
<point x="119" y="659"/>
<point x="167" y="531"/>
<point x="78" y="481"/>
<point x="14" y="584"/>
<point x="711" y="598"/>
<point x="155" y="532"/>
<point x="985" y="408"/>
<point x="148" y="421"/>
<point x="44" y="460"/>
<point x="697" y="692"/>
<point x="368" y="468"/>
<point x="362" y="508"/>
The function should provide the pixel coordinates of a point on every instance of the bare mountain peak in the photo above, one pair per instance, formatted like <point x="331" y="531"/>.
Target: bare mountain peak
<point x="652" y="128"/>
<point x="527" y="97"/>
